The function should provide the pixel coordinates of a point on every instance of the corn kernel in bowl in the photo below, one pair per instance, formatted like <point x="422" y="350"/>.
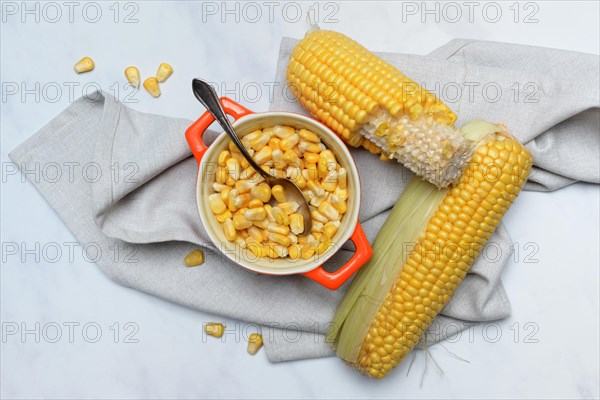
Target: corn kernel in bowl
<point x="241" y="197"/>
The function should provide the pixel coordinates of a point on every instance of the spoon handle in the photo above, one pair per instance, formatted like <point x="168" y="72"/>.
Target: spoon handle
<point x="206" y="95"/>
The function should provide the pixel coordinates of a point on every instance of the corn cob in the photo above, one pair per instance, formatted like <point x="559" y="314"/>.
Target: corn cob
<point x="423" y="252"/>
<point x="368" y="102"/>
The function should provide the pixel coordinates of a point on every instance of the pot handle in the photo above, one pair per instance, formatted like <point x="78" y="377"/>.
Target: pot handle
<point x="333" y="280"/>
<point x="194" y="133"/>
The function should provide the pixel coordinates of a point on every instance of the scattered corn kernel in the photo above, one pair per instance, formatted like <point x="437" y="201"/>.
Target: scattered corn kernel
<point x="255" y="342"/>
<point x="215" y="329"/>
<point x="86" y="64"/>
<point x="151" y="85"/>
<point x="193" y="259"/>
<point x="133" y="76"/>
<point x="164" y="71"/>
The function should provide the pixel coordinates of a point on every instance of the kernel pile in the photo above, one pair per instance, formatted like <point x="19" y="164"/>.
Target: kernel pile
<point x="240" y="201"/>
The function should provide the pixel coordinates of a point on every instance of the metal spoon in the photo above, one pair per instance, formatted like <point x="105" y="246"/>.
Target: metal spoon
<point x="206" y="95"/>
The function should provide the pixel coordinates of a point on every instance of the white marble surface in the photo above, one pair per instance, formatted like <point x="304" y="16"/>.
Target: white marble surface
<point x="557" y="296"/>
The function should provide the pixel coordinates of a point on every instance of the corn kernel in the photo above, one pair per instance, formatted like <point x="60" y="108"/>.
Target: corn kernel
<point x="263" y="155"/>
<point x="294" y="251"/>
<point x="255" y="342"/>
<point x="296" y="223"/>
<point x="281" y="217"/>
<point x="316" y="188"/>
<point x="223" y="217"/>
<point x="244" y="186"/>
<point x="256" y="214"/>
<point x="164" y="71"/>
<point x="241" y="200"/>
<point x="86" y="64"/>
<point x="306" y="252"/>
<point x="229" y="230"/>
<point x="255" y="203"/>
<point x="216" y="204"/>
<point x="277" y="228"/>
<point x="308" y="195"/>
<point x="260" y="141"/>
<point x="289" y="207"/>
<point x="133" y="76"/>
<point x="273" y="143"/>
<point x="283" y="132"/>
<point x="342" y="178"/>
<point x="221" y="175"/>
<point x="261" y="192"/>
<point x="270" y="215"/>
<point x="329" y="211"/>
<point x="322" y="247"/>
<point x="316" y="226"/>
<point x="311" y="147"/>
<point x="223" y="157"/>
<point x="309" y="136"/>
<point x="233" y="148"/>
<point x="258" y="250"/>
<point x="297" y="178"/>
<point x="151" y="85"/>
<point x="193" y="259"/>
<point x="279" y="193"/>
<point x="338" y="204"/>
<point x="341" y="193"/>
<point x="249" y="137"/>
<point x="293" y="238"/>
<point x="233" y="168"/>
<point x="313" y="173"/>
<point x="278" y="238"/>
<point x="277" y="157"/>
<point x="311" y="158"/>
<point x="215" y="329"/>
<point x="261" y="224"/>
<point x="255" y="233"/>
<point x="291" y="158"/>
<point x="317" y="216"/>
<point x="289" y="142"/>
<point x="224" y="193"/>
<point x="240" y="222"/>
<point x="330" y="228"/>
<point x="248" y="173"/>
<point x="330" y="181"/>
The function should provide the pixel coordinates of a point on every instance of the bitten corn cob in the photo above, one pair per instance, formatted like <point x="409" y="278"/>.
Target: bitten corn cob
<point x="368" y="102"/>
<point x="423" y="252"/>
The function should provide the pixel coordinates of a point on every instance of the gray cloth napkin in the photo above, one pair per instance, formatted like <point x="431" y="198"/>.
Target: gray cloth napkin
<point x="147" y="208"/>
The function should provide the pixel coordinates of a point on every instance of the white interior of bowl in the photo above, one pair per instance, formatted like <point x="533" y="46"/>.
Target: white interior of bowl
<point x="243" y="257"/>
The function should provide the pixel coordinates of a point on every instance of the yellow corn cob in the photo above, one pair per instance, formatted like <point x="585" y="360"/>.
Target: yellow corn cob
<point x="368" y="102"/>
<point x="423" y="252"/>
